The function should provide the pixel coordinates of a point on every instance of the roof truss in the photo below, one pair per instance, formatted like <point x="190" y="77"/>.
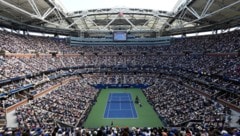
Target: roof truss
<point x="132" y="17"/>
<point x="192" y="14"/>
<point x="188" y="15"/>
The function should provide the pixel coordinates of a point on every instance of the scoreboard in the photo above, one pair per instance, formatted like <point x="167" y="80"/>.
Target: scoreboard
<point x="119" y="36"/>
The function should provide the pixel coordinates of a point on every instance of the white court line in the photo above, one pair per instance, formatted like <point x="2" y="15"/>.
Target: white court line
<point x="109" y="97"/>
<point x="131" y="106"/>
<point x="105" y="109"/>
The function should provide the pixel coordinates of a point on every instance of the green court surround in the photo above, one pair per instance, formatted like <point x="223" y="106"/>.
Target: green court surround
<point x="147" y="117"/>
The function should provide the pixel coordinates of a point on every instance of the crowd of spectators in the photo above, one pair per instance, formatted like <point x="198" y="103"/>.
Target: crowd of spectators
<point x="178" y="104"/>
<point x="93" y="79"/>
<point x="13" y="99"/>
<point x="125" y="131"/>
<point x="64" y="105"/>
<point x="10" y="101"/>
<point x="226" y="66"/>
<point x="17" y="43"/>
<point x="168" y="98"/>
<point x="31" y="118"/>
<point x="226" y="42"/>
<point x="77" y="95"/>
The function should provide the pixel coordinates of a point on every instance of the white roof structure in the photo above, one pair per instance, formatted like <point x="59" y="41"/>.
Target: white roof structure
<point x="187" y="16"/>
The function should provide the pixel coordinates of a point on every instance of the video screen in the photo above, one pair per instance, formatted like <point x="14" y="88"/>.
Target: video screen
<point x="119" y="36"/>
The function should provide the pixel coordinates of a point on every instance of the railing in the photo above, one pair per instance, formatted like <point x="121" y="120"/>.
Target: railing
<point x="25" y="101"/>
<point x="221" y="101"/>
<point x="13" y="107"/>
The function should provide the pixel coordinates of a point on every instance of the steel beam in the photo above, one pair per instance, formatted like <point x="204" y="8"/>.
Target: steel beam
<point x="129" y="21"/>
<point x="88" y="19"/>
<point x="155" y="22"/>
<point x="164" y="24"/>
<point x="58" y="14"/>
<point x="212" y="13"/>
<point x="207" y="6"/>
<point x="61" y="12"/>
<point x="105" y="27"/>
<point x="149" y="19"/>
<point x="191" y="10"/>
<point x="34" y="7"/>
<point x="219" y="10"/>
<point x="49" y="11"/>
<point x="75" y="22"/>
<point x="125" y="11"/>
<point x="85" y="23"/>
<point x="26" y="12"/>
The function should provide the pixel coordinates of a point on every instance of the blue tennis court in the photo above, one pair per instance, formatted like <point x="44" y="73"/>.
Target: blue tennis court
<point x="120" y="105"/>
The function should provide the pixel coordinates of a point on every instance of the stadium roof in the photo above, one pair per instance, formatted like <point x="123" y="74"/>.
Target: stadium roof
<point x="187" y="16"/>
<point x="75" y="5"/>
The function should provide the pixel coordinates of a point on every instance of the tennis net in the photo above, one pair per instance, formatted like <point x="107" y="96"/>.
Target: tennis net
<point x="122" y="101"/>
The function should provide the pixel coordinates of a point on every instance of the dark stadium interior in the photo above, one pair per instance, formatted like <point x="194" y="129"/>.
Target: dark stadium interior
<point x="50" y="82"/>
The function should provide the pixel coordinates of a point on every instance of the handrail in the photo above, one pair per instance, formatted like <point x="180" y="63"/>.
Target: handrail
<point x="25" y="101"/>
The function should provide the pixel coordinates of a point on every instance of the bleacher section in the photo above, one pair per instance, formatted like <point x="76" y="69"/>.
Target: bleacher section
<point x="206" y="69"/>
